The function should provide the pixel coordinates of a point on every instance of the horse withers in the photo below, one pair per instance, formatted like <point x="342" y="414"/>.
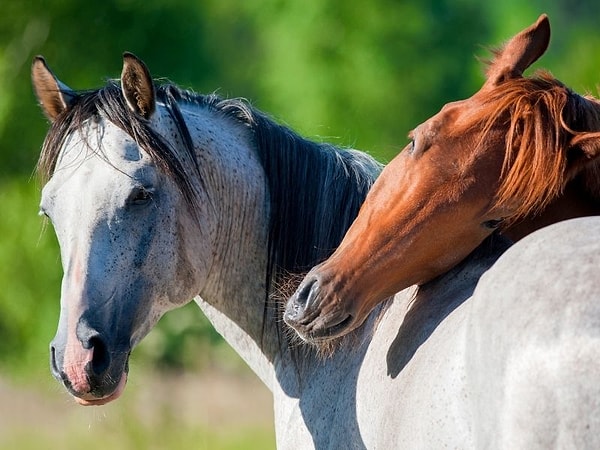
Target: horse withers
<point x="518" y="155"/>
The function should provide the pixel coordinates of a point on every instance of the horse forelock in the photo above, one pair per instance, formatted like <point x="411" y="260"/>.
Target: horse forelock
<point x="540" y="116"/>
<point x="108" y="103"/>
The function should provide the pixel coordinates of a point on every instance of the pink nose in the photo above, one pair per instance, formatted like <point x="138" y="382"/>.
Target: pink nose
<point x="76" y="367"/>
<point x="84" y="366"/>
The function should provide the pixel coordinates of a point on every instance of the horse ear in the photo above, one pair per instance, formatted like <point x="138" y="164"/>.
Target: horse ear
<point x="519" y="53"/>
<point x="53" y="96"/>
<point x="137" y="86"/>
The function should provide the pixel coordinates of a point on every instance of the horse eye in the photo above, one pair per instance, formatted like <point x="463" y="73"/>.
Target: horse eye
<point x="493" y="224"/>
<point x="413" y="142"/>
<point x="411" y="145"/>
<point x="140" y="196"/>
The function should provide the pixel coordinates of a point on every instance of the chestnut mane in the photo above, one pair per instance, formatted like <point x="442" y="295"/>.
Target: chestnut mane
<point x="542" y="118"/>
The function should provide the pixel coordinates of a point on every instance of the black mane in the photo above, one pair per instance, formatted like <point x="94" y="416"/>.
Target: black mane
<point x="315" y="189"/>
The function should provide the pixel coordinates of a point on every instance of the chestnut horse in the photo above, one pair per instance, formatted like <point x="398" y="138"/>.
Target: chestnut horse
<point x="518" y="155"/>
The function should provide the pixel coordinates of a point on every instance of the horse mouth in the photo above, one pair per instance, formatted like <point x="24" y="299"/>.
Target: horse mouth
<point x="91" y="400"/>
<point x="322" y="330"/>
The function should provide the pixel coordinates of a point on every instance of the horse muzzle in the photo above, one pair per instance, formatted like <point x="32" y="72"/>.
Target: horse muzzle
<point x="92" y="372"/>
<point x="314" y="317"/>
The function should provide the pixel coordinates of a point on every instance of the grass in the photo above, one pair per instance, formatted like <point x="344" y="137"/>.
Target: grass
<point x="132" y="435"/>
<point x="209" y="410"/>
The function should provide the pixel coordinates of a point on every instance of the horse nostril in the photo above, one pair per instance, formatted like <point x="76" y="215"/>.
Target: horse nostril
<point x="100" y="358"/>
<point x="53" y="364"/>
<point x="302" y="297"/>
<point x="297" y="307"/>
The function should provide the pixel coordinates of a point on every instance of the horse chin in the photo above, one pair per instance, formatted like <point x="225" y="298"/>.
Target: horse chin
<point x="90" y="400"/>
<point x="320" y="333"/>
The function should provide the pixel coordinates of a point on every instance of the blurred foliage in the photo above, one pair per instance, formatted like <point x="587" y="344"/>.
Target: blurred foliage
<point x="358" y="74"/>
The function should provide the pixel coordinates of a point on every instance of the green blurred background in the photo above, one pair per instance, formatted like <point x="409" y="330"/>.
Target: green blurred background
<point x="358" y="74"/>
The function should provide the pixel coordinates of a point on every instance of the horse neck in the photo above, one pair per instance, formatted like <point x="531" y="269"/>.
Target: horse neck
<point x="575" y="201"/>
<point x="230" y="240"/>
<point x="283" y="204"/>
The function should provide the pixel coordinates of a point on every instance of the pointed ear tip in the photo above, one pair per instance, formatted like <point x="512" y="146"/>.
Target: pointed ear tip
<point x="38" y="60"/>
<point x="543" y="23"/>
<point x="130" y="57"/>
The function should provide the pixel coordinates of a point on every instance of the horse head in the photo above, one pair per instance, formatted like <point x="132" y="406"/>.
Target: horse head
<point x="487" y="162"/>
<point x="118" y="218"/>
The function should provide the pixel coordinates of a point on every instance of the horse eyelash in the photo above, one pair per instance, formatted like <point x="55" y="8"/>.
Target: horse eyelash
<point x="411" y="136"/>
<point x="142" y="195"/>
<point x="493" y="223"/>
